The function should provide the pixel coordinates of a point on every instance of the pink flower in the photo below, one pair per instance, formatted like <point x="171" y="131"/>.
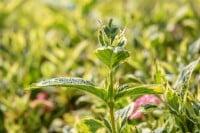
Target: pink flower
<point x="42" y="96"/>
<point x="42" y="100"/>
<point x="146" y="99"/>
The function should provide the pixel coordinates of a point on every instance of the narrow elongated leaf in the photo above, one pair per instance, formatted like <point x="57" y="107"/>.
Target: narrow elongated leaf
<point x="140" y="90"/>
<point x="112" y="56"/>
<point x="182" y="82"/>
<point x="159" y="75"/>
<point x="149" y="106"/>
<point x="2" y="128"/>
<point x="123" y="125"/>
<point x="111" y="31"/>
<point x="172" y="100"/>
<point x="107" y="124"/>
<point x="72" y="82"/>
<point x="101" y="38"/>
<point x="121" y="42"/>
<point x="192" y="116"/>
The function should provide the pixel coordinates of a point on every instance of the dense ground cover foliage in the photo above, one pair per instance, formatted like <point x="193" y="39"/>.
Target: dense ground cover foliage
<point x="45" y="39"/>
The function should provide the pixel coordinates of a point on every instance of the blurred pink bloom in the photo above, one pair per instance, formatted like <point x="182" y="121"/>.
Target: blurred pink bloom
<point x="42" y="96"/>
<point x="42" y="100"/>
<point x="146" y="99"/>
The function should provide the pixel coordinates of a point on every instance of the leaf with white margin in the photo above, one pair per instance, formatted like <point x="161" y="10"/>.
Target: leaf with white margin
<point x="78" y="83"/>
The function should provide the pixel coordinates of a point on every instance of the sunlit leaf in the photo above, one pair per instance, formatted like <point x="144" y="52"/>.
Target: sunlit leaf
<point x="71" y="82"/>
<point x="137" y="91"/>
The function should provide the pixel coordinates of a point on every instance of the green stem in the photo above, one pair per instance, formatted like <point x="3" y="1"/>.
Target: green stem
<point x="110" y="86"/>
<point x="111" y="101"/>
<point x="112" y="117"/>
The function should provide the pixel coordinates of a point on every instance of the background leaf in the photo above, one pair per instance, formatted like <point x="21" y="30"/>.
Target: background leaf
<point x="182" y="82"/>
<point x="2" y="117"/>
<point x="89" y="125"/>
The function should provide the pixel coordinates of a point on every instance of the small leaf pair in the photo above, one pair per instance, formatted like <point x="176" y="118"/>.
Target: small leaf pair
<point x="112" y="56"/>
<point x="111" y="36"/>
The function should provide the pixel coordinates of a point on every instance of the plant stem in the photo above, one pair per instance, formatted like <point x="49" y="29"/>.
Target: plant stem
<point x="110" y="86"/>
<point x="111" y="101"/>
<point x="112" y="117"/>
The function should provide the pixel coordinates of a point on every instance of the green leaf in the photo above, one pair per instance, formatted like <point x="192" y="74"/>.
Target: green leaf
<point x="137" y="91"/>
<point x="110" y="22"/>
<point x="89" y="125"/>
<point x="72" y="82"/>
<point x="123" y="125"/>
<point x="182" y="82"/>
<point x="159" y="75"/>
<point x="112" y="56"/>
<point x="107" y="124"/>
<point x="149" y="106"/>
<point x="172" y="101"/>
<point x="196" y="106"/>
<point x="2" y="117"/>
<point x="107" y="31"/>
<point x="101" y="38"/>
<point x="191" y="114"/>
<point x="121" y="42"/>
<point x="111" y="31"/>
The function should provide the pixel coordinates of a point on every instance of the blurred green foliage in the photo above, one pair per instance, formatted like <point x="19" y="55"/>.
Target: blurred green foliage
<point x="46" y="38"/>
